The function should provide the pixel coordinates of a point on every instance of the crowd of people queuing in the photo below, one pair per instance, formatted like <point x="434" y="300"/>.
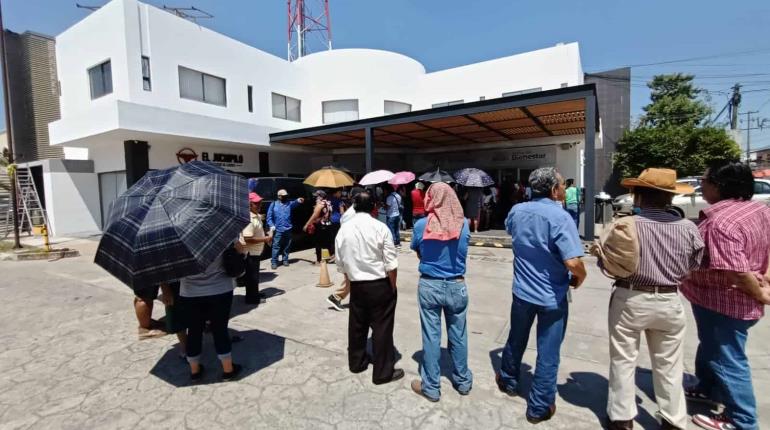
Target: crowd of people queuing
<point x="719" y="264"/>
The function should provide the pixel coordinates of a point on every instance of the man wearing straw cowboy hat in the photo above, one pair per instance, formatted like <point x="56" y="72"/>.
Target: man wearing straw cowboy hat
<point x="646" y="300"/>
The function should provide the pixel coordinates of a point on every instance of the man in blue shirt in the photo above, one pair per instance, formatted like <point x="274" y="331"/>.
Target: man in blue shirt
<point x="394" y="205"/>
<point x="441" y="242"/>
<point x="279" y="220"/>
<point x="547" y="251"/>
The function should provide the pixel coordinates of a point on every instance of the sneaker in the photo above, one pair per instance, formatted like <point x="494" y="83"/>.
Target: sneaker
<point x="286" y="264"/>
<point x="548" y="415"/>
<point x="336" y="304"/>
<point x="274" y="266"/>
<point x="694" y="394"/>
<point x="231" y="376"/>
<point x="714" y="422"/>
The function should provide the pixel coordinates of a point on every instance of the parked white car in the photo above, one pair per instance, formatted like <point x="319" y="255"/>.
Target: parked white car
<point x="624" y="203"/>
<point x="690" y="205"/>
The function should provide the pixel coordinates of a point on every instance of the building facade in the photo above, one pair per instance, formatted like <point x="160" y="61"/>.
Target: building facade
<point x="137" y="82"/>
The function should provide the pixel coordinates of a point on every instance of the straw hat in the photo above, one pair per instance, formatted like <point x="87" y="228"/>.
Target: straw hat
<point x="659" y="179"/>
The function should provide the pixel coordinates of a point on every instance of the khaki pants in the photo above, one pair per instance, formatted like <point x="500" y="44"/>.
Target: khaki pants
<point x="662" y="319"/>
<point x="342" y="292"/>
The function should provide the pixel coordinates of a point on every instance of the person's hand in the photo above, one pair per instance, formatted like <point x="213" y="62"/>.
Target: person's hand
<point x="269" y="240"/>
<point x="301" y="200"/>
<point x="240" y="247"/>
<point x="304" y="228"/>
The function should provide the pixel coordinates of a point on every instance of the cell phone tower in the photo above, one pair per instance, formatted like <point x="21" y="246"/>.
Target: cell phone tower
<point x="309" y="27"/>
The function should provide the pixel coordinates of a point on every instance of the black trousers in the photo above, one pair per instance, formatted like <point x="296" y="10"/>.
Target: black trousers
<point x="251" y="279"/>
<point x="372" y="305"/>
<point x="323" y="238"/>
<point x="215" y="309"/>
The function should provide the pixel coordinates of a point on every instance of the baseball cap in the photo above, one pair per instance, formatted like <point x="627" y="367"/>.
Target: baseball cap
<point x="254" y="198"/>
<point x="282" y="193"/>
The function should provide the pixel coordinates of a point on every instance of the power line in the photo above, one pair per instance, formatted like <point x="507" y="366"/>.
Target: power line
<point x="705" y="57"/>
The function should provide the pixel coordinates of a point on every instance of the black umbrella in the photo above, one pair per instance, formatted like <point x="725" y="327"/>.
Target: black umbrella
<point x="437" y="175"/>
<point x="173" y="223"/>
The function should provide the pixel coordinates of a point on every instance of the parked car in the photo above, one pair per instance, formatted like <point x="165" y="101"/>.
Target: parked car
<point x="624" y="203"/>
<point x="690" y="205"/>
<point x="267" y="188"/>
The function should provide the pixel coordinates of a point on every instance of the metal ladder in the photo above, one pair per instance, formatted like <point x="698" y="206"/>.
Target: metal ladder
<point x="31" y="212"/>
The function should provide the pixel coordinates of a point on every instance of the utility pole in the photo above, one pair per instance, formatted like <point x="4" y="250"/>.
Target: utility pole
<point x="735" y="102"/>
<point x="9" y="133"/>
<point x="760" y="126"/>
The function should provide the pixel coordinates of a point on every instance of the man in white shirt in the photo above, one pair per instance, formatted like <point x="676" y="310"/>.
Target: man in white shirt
<point x="368" y="259"/>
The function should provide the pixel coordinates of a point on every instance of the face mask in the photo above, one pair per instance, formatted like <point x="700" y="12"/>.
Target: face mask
<point x="637" y="210"/>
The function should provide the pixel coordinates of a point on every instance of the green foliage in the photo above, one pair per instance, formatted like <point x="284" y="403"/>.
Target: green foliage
<point x="672" y="133"/>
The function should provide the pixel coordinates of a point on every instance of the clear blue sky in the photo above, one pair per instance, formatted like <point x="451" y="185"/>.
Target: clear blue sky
<point x="448" y="33"/>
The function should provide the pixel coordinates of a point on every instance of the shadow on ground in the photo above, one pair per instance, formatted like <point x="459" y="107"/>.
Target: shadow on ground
<point x="256" y="351"/>
<point x="525" y="380"/>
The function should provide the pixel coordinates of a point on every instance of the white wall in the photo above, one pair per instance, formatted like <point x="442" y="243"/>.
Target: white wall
<point x="72" y="203"/>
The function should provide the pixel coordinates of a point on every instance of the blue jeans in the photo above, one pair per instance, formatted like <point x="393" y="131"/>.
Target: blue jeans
<point x="394" y="224"/>
<point x="574" y="211"/>
<point x="451" y="297"/>
<point x="551" y="326"/>
<point x="722" y="367"/>
<point x="281" y="245"/>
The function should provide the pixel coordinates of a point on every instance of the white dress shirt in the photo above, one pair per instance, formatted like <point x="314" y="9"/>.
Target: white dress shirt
<point x="348" y="215"/>
<point x="364" y="249"/>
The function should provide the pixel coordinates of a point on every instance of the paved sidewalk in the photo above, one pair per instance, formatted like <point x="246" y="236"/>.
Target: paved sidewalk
<point x="70" y="358"/>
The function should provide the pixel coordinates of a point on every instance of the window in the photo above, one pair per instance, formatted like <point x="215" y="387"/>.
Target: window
<point x="250" y="94"/>
<point x="146" y="84"/>
<point x="527" y="91"/>
<point x="761" y="187"/>
<point x="201" y="87"/>
<point x="564" y="85"/>
<point x="340" y="111"/>
<point x="286" y="107"/>
<point x="392" y="107"/>
<point x="101" y="79"/>
<point x="444" y="104"/>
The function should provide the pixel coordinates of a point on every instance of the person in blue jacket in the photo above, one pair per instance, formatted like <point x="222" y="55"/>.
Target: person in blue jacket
<point x="279" y="221"/>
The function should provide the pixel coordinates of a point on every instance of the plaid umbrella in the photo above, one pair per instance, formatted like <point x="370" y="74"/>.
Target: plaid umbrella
<point x="472" y="177"/>
<point x="173" y="223"/>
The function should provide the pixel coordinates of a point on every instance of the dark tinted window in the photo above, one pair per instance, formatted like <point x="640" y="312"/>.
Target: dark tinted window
<point x="265" y="189"/>
<point x="761" y="188"/>
<point x="294" y="187"/>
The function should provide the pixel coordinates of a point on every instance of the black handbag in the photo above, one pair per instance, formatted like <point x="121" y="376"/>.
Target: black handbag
<point x="234" y="262"/>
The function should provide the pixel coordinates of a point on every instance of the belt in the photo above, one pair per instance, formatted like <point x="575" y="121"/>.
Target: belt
<point x="454" y="278"/>
<point x="662" y="289"/>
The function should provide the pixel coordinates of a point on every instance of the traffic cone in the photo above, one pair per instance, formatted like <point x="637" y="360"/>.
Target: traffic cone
<point x="324" y="281"/>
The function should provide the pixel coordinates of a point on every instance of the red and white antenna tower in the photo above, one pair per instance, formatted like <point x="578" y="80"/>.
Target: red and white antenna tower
<point x="309" y="27"/>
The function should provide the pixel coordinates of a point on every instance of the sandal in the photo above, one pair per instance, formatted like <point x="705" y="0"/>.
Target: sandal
<point x="196" y="377"/>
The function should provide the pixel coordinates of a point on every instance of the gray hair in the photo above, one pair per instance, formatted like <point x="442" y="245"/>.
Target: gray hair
<point x="543" y="180"/>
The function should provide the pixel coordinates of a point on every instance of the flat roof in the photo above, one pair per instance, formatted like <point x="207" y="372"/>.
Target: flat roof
<point x="558" y="112"/>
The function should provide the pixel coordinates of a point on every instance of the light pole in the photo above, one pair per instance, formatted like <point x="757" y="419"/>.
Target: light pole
<point x="9" y="133"/>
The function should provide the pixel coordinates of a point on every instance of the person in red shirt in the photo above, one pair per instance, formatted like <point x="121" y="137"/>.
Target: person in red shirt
<point x="728" y="294"/>
<point x="418" y="202"/>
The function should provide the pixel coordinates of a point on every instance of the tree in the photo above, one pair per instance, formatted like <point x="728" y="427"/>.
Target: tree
<point x="672" y="132"/>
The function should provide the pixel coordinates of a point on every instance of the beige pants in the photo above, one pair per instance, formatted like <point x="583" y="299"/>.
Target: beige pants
<point x="662" y="319"/>
<point x="342" y="292"/>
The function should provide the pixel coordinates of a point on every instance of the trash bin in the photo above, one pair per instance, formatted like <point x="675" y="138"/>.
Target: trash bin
<point x="603" y="212"/>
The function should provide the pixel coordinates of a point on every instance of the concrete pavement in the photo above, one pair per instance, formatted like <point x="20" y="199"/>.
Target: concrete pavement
<point x="70" y="358"/>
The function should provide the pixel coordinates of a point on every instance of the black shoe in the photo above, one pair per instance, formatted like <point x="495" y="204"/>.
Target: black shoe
<point x="336" y="304"/>
<point x="364" y="367"/>
<point x="230" y="376"/>
<point x="536" y="420"/>
<point x="397" y="374"/>
<point x="501" y="386"/>
<point x="196" y="377"/>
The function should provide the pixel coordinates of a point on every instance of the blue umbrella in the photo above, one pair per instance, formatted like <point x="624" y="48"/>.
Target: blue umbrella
<point x="173" y="223"/>
<point x="472" y="177"/>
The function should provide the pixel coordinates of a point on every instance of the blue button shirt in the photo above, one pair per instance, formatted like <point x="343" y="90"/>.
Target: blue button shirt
<point x="544" y="236"/>
<point x="394" y="205"/>
<point x="441" y="259"/>
<point x="279" y="215"/>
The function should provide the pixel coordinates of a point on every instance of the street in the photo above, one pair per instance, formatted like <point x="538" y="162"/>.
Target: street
<point x="70" y="357"/>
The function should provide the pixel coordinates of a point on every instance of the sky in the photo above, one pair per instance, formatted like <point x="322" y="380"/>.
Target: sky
<point x="722" y="43"/>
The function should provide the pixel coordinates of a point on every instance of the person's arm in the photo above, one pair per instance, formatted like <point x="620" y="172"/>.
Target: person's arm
<point x="389" y="255"/>
<point x="296" y="203"/>
<point x="392" y="277"/>
<point x="578" y="271"/>
<point x="270" y="216"/>
<point x="316" y="214"/>
<point x="750" y="284"/>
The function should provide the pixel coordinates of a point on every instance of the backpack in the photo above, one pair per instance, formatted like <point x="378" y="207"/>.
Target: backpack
<point x="233" y="262"/>
<point x="618" y="248"/>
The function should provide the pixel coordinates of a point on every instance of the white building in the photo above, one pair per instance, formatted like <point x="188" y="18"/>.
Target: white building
<point x="131" y="72"/>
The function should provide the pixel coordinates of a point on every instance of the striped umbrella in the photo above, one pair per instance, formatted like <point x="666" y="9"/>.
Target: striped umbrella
<point x="472" y="177"/>
<point x="173" y="223"/>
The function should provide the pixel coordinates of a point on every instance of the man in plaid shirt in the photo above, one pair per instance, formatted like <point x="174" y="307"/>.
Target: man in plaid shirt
<point x="728" y="294"/>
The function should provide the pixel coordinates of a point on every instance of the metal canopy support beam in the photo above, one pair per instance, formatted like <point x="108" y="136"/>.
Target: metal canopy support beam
<point x="369" y="156"/>
<point x="536" y="120"/>
<point x="589" y="170"/>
